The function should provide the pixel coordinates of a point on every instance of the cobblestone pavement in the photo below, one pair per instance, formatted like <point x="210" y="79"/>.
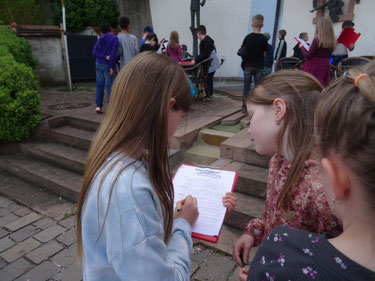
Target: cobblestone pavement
<point x="35" y="247"/>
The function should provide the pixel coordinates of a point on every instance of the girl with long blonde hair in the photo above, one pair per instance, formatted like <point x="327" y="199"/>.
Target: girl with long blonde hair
<point x="174" y="48"/>
<point x="126" y="226"/>
<point x="321" y="48"/>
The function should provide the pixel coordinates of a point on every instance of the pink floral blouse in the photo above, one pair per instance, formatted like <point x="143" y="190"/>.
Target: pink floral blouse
<point x="308" y="207"/>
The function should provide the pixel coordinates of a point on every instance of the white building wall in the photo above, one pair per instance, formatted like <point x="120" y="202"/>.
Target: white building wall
<point x="226" y="21"/>
<point x="297" y="18"/>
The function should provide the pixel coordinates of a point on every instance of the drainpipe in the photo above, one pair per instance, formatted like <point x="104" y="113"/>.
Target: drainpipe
<point x="276" y="25"/>
<point x="66" y="46"/>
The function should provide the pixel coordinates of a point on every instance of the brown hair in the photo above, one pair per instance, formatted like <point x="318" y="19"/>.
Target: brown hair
<point x="325" y="34"/>
<point x="137" y="120"/>
<point x="345" y="124"/>
<point x="302" y="34"/>
<point x="258" y="20"/>
<point x="173" y="39"/>
<point x="282" y="32"/>
<point x="300" y="92"/>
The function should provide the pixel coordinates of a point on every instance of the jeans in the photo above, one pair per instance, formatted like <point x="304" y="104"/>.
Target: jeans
<point x="249" y="72"/>
<point x="210" y="83"/>
<point x="103" y="79"/>
<point x="335" y="60"/>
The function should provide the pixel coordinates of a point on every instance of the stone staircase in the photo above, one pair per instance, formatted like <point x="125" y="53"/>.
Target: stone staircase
<point x="56" y="164"/>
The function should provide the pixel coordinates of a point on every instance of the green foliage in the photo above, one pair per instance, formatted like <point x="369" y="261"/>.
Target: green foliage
<point x="19" y="47"/>
<point x="21" y="12"/>
<point x="19" y="99"/>
<point x="82" y="13"/>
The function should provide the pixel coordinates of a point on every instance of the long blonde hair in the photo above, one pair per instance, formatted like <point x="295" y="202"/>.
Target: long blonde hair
<point x="136" y="121"/>
<point x="325" y="34"/>
<point x="300" y="91"/>
<point x="173" y="39"/>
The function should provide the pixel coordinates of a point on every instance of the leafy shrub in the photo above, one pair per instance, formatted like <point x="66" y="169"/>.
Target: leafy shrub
<point x="19" y="99"/>
<point x="19" y="47"/>
<point x="21" y="11"/>
<point x="82" y="13"/>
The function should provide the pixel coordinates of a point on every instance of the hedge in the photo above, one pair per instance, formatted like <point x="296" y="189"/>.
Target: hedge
<point x="19" y="91"/>
<point x="19" y="47"/>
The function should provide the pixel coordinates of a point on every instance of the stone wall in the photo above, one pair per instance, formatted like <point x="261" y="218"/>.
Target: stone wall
<point x="139" y="13"/>
<point x="49" y="53"/>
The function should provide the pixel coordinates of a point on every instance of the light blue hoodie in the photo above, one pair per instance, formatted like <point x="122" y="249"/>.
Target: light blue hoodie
<point x="131" y="246"/>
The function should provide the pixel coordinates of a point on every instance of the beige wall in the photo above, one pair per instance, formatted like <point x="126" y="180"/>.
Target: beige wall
<point x="296" y="18"/>
<point x="226" y="22"/>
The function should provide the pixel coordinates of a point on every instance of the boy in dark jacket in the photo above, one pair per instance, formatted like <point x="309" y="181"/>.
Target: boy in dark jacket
<point x="255" y="46"/>
<point x="105" y="51"/>
<point x="297" y="50"/>
<point x="206" y="46"/>
<point x="281" y="48"/>
<point x="268" y="59"/>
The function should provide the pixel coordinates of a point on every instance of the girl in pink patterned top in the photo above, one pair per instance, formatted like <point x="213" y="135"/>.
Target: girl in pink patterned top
<point x="174" y="48"/>
<point x="281" y="109"/>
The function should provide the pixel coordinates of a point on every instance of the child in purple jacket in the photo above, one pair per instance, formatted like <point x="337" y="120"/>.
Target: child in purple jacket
<point x="105" y="51"/>
<point x="174" y="48"/>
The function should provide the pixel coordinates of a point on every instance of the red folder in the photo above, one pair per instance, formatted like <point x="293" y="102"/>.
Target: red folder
<point x="184" y="63"/>
<point x="348" y="36"/>
<point x="212" y="239"/>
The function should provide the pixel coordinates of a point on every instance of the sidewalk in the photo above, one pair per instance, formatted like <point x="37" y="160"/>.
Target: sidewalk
<point x="36" y="247"/>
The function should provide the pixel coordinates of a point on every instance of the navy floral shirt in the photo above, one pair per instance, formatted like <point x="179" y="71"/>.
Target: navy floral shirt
<point x="291" y="254"/>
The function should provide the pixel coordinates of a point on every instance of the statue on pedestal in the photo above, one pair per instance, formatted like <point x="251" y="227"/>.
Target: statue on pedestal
<point x="334" y="8"/>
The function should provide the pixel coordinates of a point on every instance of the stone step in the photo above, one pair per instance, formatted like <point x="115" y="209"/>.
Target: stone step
<point x="213" y="137"/>
<point x="252" y="180"/>
<point x="59" y="154"/>
<point x="248" y="207"/>
<point x="40" y="200"/>
<point x="76" y="137"/>
<point x="233" y="119"/>
<point x="57" y="180"/>
<point x="240" y="149"/>
<point x="201" y="154"/>
<point x="83" y="121"/>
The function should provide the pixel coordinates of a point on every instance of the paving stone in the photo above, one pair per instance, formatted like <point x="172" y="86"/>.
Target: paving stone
<point x="8" y="209"/>
<point x="44" y="252"/>
<point x="44" y="223"/>
<point x="216" y="268"/>
<point x="68" y="222"/>
<point x="22" y="211"/>
<point x="5" y="243"/>
<point x="20" y="250"/>
<point x="3" y="263"/>
<point x="66" y="257"/>
<point x="24" y="233"/>
<point x="4" y="202"/>
<point x="15" y="269"/>
<point x="41" y="272"/>
<point x="21" y="222"/>
<point x="3" y="232"/>
<point x="49" y="233"/>
<point x="7" y="219"/>
<point x="67" y="238"/>
<point x="72" y="273"/>
<point x="193" y="267"/>
<point x="234" y="274"/>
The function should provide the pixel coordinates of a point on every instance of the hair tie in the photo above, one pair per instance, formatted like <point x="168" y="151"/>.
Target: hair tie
<point x="359" y="77"/>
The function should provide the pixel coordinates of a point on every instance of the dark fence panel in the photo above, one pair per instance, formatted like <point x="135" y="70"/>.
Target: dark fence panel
<point x="81" y="60"/>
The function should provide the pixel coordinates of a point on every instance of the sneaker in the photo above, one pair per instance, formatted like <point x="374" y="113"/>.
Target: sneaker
<point x="244" y="110"/>
<point x="98" y="110"/>
<point x="208" y="98"/>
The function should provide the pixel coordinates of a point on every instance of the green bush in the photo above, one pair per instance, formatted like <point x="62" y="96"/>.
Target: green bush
<point x="82" y="13"/>
<point x="21" y="12"/>
<point x="19" y="99"/>
<point x="19" y="47"/>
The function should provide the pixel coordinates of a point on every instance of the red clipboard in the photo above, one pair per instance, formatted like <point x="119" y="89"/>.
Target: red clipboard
<point x="212" y="239"/>
<point x="348" y="36"/>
